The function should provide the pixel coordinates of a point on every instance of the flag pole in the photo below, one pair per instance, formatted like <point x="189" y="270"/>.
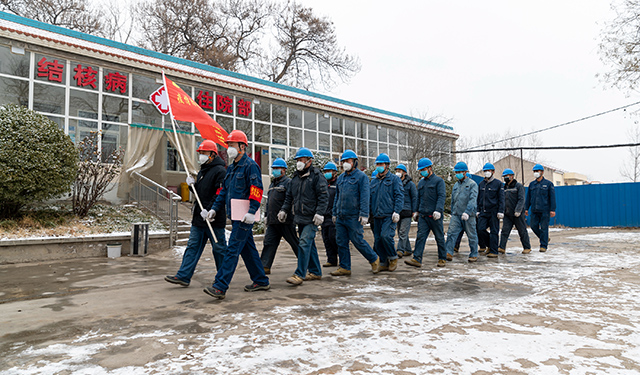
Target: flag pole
<point x="184" y="162"/>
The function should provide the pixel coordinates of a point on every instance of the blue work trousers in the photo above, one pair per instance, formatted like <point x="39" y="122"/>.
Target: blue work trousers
<point x="485" y="238"/>
<point x="540" y="226"/>
<point x="330" y="244"/>
<point x="272" y="237"/>
<point x="457" y="226"/>
<point x="404" y="226"/>
<point x="521" y="225"/>
<point x="426" y="224"/>
<point x="307" y="251"/>
<point x="384" y="245"/>
<point x="240" y="244"/>
<point x="198" y="237"/>
<point x="350" y="229"/>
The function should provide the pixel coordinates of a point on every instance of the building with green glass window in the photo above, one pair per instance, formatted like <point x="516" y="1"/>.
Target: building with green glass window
<point x="86" y="83"/>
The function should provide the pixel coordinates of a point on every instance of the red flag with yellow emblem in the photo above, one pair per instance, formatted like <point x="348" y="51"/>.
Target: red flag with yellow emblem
<point x="183" y="108"/>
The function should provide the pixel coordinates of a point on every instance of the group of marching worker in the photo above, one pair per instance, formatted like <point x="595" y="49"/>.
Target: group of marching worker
<point x="341" y="205"/>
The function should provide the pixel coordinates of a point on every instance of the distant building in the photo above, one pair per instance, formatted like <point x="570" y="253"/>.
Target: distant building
<point x="573" y="178"/>
<point x="555" y="175"/>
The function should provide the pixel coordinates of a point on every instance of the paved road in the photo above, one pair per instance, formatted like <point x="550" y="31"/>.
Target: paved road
<point x="573" y="310"/>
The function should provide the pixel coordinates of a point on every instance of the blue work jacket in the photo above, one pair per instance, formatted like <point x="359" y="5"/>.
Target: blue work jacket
<point x="464" y="197"/>
<point x="352" y="195"/>
<point x="410" y="197"/>
<point x="387" y="195"/>
<point x="541" y="196"/>
<point x="491" y="196"/>
<point x="242" y="181"/>
<point x="431" y="195"/>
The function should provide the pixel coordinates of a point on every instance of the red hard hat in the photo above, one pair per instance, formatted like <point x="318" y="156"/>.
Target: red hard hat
<point x="208" y="145"/>
<point x="237" y="136"/>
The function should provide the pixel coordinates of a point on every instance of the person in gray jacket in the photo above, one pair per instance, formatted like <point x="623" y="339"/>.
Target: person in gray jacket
<point x="513" y="212"/>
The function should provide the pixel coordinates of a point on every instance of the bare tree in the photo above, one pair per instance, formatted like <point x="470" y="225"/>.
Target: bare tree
<point x="476" y="160"/>
<point x="429" y="144"/>
<point x="72" y="14"/>
<point x="630" y="170"/>
<point x="118" y="21"/>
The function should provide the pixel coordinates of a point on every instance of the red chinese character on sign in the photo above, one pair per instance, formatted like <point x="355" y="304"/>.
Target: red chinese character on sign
<point x="116" y="81"/>
<point x="224" y="104"/>
<point x="244" y="107"/>
<point x="85" y="76"/>
<point x="205" y="100"/>
<point x="51" y="70"/>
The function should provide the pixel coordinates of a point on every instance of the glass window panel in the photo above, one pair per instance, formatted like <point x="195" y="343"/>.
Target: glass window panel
<point x="382" y="147"/>
<point x="349" y="144"/>
<point x="143" y="86"/>
<point x="323" y="142"/>
<point x="393" y="136"/>
<point x="310" y="120"/>
<point x="225" y="122"/>
<point x="79" y="129"/>
<point x="184" y="126"/>
<point x="335" y="157"/>
<point x="279" y="114"/>
<point x="310" y="140"/>
<point x="373" y="132"/>
<point x="393" y="153"/>
<point x="338" y="144"/>
<point x="14" y="64"/>
<point x="350" y="128"/>
<point x="295" y="138"/>
<point x="324" y="123"/>
<point x="48" y="99"/>
<point x="115" y="109"/>
<point x="115" y="82"/>
<point x="337" y="125"/>
<point x="173" y="162"/>
<point x="279" y="135"/>
<point x="50" y="69"/>
<point x="402" y="137"/>
<point x="261" y="157"/>
<point x="263" y="111"/>
<point x="404" y="156"/>
<point x="362" y="130"/>
<point x="295" y="117"/>
<point x="363" y="163"/>
<point x="246" y="127"/>
<point x="362" y="148"/>
<point x="114" y="137"/>
<point x="143" y="113"/>
<point x="58" y="120"/>
<point x="373" y="150"/>
<point x="14" y="91"/>
<point x="83" y="104"/>
<point x="262" y="133"/>
<point x="382" y="134"/>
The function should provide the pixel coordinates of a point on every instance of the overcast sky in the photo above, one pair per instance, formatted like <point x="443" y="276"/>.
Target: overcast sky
<point x="492" y="66"/>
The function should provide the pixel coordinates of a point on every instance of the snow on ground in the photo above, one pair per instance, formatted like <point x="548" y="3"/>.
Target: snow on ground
<point x="626" y="237"/>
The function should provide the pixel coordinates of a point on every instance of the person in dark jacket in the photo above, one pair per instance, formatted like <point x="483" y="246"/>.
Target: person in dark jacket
<point x="541" y="204"/>
<point x="328" y="226"/>
<point x="275" y="229"/>
<point x="387" y="199"/>
<point x="408" y="209"/>
<point x="513" y="209"/>
<point x="490" y="210"/>
<point x="207" y="184"/>
<point x="307" y="200"/>
<point x="431" y="196"/>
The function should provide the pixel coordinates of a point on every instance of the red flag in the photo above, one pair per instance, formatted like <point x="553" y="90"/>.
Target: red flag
<point x="183" y="108"/>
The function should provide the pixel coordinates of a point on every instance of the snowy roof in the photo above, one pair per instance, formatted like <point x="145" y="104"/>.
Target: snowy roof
<point x="35" y="31"/>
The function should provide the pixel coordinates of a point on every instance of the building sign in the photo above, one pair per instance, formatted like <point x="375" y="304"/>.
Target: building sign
<point x="205" y="100"/>
<point x="115" y="81"/>
<point x="244" y="107"/>
<point x="224" y="104"/>
<point x="85" y="76"/>
<point x="52" y="70"/>
<point x="160" y="100"/>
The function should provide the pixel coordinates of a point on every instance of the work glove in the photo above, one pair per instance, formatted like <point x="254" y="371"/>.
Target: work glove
<point x="204" y="214"/>
<point x="248" y="218"/>
<point x="436" y="215"/>
<point x="334" y="218"/>
<point x="282" y="216"/>
<point x="364" y="220"/>
<point x="416" y="215"/>
<point x="211" y="215"/>
<point x="190" y="180"/>
<point x="477" y="214"/>
<point x="317" y="219"/>
<point x="500" y="215"/>
<point x="517" y="214"/>
<point x="395" y="217"/>
<point x="465" y="216"/>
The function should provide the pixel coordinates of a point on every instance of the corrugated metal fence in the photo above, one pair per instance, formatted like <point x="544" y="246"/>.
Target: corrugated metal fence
<point x="602" y="205"/>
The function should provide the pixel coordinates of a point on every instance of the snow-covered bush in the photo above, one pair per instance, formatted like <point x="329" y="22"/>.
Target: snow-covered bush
<point x="37" y="160"/>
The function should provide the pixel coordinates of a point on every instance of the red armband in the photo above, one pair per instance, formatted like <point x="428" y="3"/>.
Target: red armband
<point x="219" y="190"/>
<point x="255" y="193"/>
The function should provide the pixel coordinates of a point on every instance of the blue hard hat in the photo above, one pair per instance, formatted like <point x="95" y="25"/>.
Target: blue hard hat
<point x="488" y="167"/>
<point x="507" y="172"/>
<point x="460" y="167"/>
<point x="402" y="168"/>
<point x="424" y="163"/>
<point x="303" y="152"/>
<point x="279" y="163"/>
<point x="348" y="154"/>
<point x="330" y="166"/>
<point x="375" y="173"/>
<point x="538" y="167"/>
<point x="383" y="158"/>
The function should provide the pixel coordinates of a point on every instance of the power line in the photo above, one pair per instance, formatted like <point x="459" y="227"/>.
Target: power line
<point x="552" y="127"/>
<point x="467" y="151"/>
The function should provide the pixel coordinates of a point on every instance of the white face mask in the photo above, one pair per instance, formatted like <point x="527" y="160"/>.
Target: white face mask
<point x="487" y="174"/>
<point x="232" y="152"/>
<point x="300" y="165"/>
<point x="399" y="174"/>
<point x="536" y="175"/>
<point x="203" y="158"/>
<point x="346" y="166"/>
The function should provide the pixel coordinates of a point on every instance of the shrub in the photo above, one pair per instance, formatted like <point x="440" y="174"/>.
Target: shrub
<point x="37" y="160"/>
